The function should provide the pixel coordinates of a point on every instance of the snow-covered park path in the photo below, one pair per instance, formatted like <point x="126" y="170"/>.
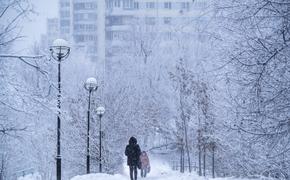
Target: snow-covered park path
<point x="159" y="171"/>
<point x="172" y="176"/>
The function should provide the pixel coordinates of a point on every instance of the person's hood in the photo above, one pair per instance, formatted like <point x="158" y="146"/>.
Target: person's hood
<point x="132" y="141"/>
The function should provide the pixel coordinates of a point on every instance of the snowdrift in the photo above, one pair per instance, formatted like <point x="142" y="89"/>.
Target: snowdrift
<point x="100" y="177"/>
<point x="160" y="170"/>
<point x="35" y="176"/>
<point x="165" y="176"/>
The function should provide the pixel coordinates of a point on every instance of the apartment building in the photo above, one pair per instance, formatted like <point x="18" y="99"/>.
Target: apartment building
<point x="149" y="16"/>
<point x="65" y="19"/>
<point x="78" y="20"/>
<point x="52" y="32"/>
<point x="84" y="25"/>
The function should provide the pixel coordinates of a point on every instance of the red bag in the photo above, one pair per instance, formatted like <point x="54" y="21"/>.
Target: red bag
<point x="148" y="169"/>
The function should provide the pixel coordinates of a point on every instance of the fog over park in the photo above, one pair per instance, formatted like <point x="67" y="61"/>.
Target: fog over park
<point x="167" y="89"/>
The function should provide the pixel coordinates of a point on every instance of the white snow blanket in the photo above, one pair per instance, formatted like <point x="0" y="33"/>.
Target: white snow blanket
<point x="35" y="176"/>
<point x="159" y="171"/>
<point x="166" y="176"/>
<point x="172" y="176"/>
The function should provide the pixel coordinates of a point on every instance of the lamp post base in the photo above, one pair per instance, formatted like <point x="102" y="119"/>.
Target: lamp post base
<point x="88" y="164"/>
<point x="100" y="168"/>
<point x="58" y="167"/>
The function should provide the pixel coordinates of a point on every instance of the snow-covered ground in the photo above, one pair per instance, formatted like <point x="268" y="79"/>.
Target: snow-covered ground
<point x="159" y="171"/>
<point x="165" y="176"/>
<point x="169" y="176"/>
<point x="34" y="176"/>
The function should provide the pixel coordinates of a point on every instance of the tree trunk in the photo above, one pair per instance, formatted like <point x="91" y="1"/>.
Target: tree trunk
<point x="2" y="169"/>
<point x="199" y="154"/>
<point x="199" y="141"/>
<point x="183" y="156"/>
<point x="182" y="159"/>
<point x="184" y="118"/>
<point x="187" y="148"/>
<point x="213" y="148"/>
<point x="204" y="151"/>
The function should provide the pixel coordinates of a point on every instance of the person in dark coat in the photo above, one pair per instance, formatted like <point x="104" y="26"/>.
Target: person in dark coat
<point x="133" y="153"/>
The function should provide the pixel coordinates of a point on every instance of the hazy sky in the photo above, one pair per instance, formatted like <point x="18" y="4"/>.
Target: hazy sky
<point x="36" y="26"/>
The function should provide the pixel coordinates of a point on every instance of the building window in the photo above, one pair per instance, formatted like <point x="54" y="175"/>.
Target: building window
<point x="90" y="38"/>
<point x="110" y="4"/>
<point x="78" y="27"/>
<point x="109" y="35"/>
<point x="150" y="21"/>
<point x="167" y="5"/>
<point x="136" y="5"/>
<point x="91" y="27"/>
<point x="116" y="36"/>
<point x="117" y="3"/>
<point x="85" y="27"/>
<point x="128" y="4"/>
<point x="79" y="6"/>
<point x="84" y="6"/>
<point x="167" y="20"/>
<point x="91" y="5"/>
<point x="185" y="5"/>
<point x="201" y="4"/>
<point x="80" y="38"/>
<point x="114" y="3"/>
<point x="64" y="14"/>
<point x="79" y="17"/>
<point x="150" y="5"/>
<point x="115" y="20"/>
<point x="64" y="4"/>
<point x="64" y="23"/>
<point x="64" y="30"/>
<point x="92" y="16"/>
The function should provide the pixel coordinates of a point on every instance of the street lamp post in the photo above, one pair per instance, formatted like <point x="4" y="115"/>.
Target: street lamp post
<point x="59" y="51"/>
<point x="100" y="113"/>
<point x="90" y="85"/>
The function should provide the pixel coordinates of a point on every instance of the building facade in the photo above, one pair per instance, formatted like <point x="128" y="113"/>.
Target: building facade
<point x="84" y="25"/>
<point x="147" y="16"/>
<point x="65" y="19"/>
<point x="78" y="20"/>
<point x="52" y="32"/>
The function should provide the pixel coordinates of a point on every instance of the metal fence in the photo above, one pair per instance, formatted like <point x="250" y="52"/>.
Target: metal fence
<point x="176" y="166"/>
<point x="22" y="173"/>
